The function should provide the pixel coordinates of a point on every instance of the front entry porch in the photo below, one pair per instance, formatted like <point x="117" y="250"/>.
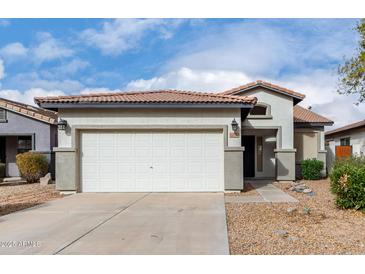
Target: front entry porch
<point x="264" y="157"/>
<point x="10" y="146"/>
<point x="259" y="156"/>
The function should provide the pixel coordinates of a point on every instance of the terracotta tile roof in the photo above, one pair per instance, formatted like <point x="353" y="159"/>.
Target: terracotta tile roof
<point x="359" y="124"/>
<point x="40" y="114"/>
<point x="260" y="83"/>
<point x="303" y="115"/>
<point x="148" y="97"/>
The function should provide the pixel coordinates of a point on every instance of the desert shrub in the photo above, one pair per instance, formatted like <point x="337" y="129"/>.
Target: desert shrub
<point x="2" y="170"/>
<point x="32" y="166"/>
<point x="311" y="169"/>
<point x="348" y="182"/>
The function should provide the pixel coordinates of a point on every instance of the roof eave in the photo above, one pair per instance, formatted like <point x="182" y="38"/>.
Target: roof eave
<point x="144" y="105"/>
<point x="313" y="124"/>
<point x="297" y="99"/>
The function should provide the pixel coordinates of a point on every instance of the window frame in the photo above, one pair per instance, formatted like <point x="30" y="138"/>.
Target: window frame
<point x="28" y="147"/>
<point x="266" y="116"/>
<point x="346" y="140"/>
<point x="5" y="119"/>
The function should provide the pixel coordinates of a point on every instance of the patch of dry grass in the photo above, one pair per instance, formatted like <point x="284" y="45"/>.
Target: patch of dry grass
<point x="255" y="228"/>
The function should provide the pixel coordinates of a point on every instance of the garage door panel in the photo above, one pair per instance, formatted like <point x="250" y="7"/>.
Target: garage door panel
<point x="152" y="161"/>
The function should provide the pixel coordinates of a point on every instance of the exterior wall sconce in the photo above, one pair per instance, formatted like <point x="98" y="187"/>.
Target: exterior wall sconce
<point x="62" y="124"/>
<point x="234" y="125"/>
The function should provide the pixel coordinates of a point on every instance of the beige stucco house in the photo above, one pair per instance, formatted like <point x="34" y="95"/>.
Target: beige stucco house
<point x="178" y="141"/>
<point x="352" y="135"/>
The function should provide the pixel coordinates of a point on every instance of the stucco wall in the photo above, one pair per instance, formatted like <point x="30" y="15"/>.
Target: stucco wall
<point x="190" y="117"/>
<point x="307" y="144"/>
<point x="281" y="112"/>
<point x="21" y="125"/>
<point x="357" y="141"/>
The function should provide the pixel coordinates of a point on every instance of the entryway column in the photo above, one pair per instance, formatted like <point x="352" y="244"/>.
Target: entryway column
<point x="66" y="167"/>
<point x="285" y="164"/>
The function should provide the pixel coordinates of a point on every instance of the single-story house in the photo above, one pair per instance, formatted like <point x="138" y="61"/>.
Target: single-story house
<point x="346" y="141"/>
<point x="182" y="141"/>
<point x="25" y="128"/>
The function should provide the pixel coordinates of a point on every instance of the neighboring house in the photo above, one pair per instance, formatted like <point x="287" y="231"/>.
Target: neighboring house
<point x="24" y="128"/>
<point x="171" y="140"/>
<point x="346" y="141"/>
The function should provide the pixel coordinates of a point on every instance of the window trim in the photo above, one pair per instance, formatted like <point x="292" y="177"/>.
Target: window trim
<point x="25" y="149"/>
<point x="259" y="154"/>
<point x="345" y="138"/>
<point x="5" y="120"/>
<point x="266" y="116"/>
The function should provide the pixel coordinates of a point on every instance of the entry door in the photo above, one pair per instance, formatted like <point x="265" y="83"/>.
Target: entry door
<point x="146" y="161"/>
<point x="249" y="155"/>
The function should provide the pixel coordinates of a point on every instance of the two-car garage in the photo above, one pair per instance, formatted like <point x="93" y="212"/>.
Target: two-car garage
<point x="152" y="161"/>
<point x="149" y="141"/>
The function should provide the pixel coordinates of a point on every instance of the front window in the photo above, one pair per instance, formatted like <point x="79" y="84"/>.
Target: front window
<point x="345" y="141"/>
<point x="2" y="115"/>
<point x="259" y="110"/>
<point x="24" y="144"/>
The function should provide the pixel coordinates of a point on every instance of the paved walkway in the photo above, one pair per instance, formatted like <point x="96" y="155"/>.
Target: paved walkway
<point x="268" y="193"/>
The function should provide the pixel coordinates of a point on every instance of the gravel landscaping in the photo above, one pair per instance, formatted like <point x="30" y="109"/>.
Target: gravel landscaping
<point x="312" y="226"/>
<point x="14" y="197"/>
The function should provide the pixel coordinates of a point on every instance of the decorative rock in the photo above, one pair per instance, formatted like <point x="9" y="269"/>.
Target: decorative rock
<point x="47" y="179"/>
<point x="292" y="188"/>
<point x="292" y="238"/>
<point x="291" y="209"/>
<point x="282" y="233"/>
<point x="307" y="190"/>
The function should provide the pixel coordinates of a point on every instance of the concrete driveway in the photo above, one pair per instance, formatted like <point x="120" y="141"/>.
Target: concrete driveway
<point x="119" y="223"/>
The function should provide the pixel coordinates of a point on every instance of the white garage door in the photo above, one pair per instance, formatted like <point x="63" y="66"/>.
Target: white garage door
<point x="140" y="161"/>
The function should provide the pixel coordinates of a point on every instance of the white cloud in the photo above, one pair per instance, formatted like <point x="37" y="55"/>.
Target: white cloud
<point x="66" y="69"/>
<point x="13" y="50"/>
<point x="267" y="48"/>
<point x="27" y="96"/>
<point x="25" y="81"/>
<point x="73" y="66"/>
<point x="49" y="48"/>
<point x="319" y="86"/>
<point x="188" y="79"/>
<point x="120" y="35"/>
<point x="2" y="69"/>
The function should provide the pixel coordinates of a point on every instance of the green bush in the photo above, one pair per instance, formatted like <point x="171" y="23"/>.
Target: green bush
<point x="32" y="166"/>
<point x="311" y="169"/>
<point x="2" y="170"/>
<point x="348" y="182"/>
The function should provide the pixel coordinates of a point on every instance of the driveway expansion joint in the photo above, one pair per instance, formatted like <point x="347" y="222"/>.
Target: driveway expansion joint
<point x="100" y="224"/>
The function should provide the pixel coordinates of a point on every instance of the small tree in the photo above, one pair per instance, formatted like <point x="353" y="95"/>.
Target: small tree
<point x="352" y="72"/>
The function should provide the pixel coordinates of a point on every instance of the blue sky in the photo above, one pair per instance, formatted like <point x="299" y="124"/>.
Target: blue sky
<point x="69" y="56"/>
